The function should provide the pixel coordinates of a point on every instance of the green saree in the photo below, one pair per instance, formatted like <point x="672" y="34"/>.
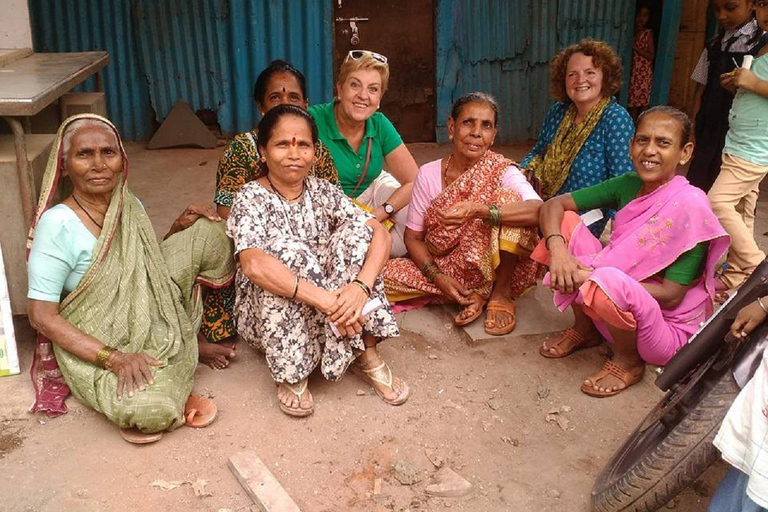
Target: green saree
<point x="137" y="296"/>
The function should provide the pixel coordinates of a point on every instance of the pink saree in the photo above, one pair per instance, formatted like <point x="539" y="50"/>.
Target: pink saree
<point x="650" y="233"/>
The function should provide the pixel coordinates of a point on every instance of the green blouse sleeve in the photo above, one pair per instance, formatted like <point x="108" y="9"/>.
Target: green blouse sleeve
<point x="613" y="193"/>
<point x="688" y="266"/>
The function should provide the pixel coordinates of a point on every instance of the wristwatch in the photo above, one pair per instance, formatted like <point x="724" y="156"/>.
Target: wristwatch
<point x="388" y="208"/>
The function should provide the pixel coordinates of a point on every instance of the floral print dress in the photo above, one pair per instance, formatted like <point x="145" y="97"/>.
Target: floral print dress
<point x="241" y="164"/>
<point x="322" y="238"/>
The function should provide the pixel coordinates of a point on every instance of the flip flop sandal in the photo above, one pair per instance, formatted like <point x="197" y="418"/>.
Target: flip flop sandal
<point x="500" y="306"/>
<point x="569" y="342"/>
<point x="298" y="390"/>
<point x="479" y="304"/>
<point x="382" y="374"/>
<point x="136" y="436"/>
<point x="610" y="368"/>
<point x="199" y="411"/>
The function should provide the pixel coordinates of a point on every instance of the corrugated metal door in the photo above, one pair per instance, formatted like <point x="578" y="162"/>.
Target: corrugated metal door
<point x="504" y="48"/>
<point x="206" y="52"/>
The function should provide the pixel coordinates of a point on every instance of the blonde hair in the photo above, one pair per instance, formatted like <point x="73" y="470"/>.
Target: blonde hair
<point x="365" y="62"/>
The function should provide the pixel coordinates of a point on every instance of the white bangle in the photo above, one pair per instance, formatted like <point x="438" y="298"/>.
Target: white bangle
<point x="762" y="306"/>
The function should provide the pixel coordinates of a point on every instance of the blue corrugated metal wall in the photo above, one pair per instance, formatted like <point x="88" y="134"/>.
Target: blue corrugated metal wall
<point x="504" y="48"/>
<point x="207" y="52"/>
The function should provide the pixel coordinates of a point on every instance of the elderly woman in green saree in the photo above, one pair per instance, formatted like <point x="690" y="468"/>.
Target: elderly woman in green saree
<point x="116" y="312"/>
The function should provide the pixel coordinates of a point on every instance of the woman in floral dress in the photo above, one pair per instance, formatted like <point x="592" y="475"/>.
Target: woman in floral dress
<point x="309" y="262"/>
<point x="278" y="84"/>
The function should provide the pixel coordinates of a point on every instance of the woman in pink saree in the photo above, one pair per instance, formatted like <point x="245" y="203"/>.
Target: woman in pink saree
<point x="652" y="286"/>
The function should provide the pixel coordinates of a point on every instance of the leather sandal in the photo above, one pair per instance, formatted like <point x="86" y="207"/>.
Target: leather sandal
<point x="298" y="390"/>
<point x="479" y="304"/>
<point x="569" y="342"/>
<point x="503" y="306"/>
<point x="382" y="374"/>
<point x="199" y="411"/>
<point x="136" y="436"/>
<point x="627" y="377"/>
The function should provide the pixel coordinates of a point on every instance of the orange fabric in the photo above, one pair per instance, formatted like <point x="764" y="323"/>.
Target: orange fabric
<point x="569" y="223"/>
<point x="598" y="306"/>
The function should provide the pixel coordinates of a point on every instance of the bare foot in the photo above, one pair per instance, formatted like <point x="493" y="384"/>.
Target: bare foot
<point x="215" y="355"/>
<point x="289" y="398"/>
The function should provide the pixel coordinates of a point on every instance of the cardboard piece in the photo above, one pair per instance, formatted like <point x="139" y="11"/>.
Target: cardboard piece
<point x="182" y="128"/>
<point x="9" y="356"/>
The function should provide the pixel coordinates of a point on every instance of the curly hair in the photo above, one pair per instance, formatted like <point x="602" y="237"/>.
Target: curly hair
<point x="603" y="57"/>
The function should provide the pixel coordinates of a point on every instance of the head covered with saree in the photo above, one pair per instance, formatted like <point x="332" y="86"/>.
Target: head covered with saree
<point x="135" y="297"/>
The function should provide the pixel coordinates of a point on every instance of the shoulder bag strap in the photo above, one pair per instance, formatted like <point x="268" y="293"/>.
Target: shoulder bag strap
<point x="365" y="169"/>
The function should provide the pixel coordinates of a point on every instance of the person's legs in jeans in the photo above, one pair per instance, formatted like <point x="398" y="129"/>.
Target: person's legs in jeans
<point x="731" y="496"/>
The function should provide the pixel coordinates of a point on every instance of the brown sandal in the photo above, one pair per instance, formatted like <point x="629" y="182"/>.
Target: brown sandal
<point x="627" y="377"/>
<point x="503" y="306"/>
<point x="199" y="412"/>
<point x="136" y="436"/>
<point x="479" y="303"/>
<point x="569" y="342"/>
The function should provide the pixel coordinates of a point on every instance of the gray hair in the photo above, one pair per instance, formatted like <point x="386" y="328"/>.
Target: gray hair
<point x="74" y="126"/>
<point x="475" y="97"/>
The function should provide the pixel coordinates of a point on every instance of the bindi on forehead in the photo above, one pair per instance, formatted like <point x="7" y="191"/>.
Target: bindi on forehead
<point x="293" y="141"/>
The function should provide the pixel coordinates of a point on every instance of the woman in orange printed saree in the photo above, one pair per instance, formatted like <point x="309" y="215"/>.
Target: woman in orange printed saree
<point x="471" y="225"/>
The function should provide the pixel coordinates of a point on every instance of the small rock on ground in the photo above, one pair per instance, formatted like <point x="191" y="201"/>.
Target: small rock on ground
<point x="448" y="484"/>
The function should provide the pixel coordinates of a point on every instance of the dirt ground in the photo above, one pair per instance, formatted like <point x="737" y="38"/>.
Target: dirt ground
<point x="478" y="407"/>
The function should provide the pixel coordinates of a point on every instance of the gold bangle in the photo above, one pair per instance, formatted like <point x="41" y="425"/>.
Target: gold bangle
<point x="102" y="356"/>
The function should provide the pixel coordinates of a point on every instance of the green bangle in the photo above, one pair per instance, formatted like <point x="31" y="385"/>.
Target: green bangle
<point x="494" y="215"/>
<point x="430" y="270"/>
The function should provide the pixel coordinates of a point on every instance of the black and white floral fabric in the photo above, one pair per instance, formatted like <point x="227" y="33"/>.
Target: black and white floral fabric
<point x="322" y="238"/>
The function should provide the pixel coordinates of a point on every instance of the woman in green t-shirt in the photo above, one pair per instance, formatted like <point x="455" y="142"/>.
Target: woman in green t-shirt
<point x="362" y="141"/>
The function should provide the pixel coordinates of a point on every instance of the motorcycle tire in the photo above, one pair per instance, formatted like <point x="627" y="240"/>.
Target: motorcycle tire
<point x="660" y="459"/>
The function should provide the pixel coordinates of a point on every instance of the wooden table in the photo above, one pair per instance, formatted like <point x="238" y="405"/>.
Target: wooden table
<point x="27" y="86"/>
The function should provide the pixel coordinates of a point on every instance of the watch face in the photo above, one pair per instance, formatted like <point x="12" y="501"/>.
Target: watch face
<point x="388" y="208"/>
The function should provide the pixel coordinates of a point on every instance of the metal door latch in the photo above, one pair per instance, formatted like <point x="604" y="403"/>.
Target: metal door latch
<point x="354" y="40"/>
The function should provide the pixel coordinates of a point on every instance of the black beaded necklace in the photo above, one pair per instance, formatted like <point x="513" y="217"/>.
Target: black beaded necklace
<point x="86" y="212"/>
<point x="272" y="185"/>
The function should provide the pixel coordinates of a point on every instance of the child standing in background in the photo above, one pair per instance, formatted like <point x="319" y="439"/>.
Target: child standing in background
<point x="738" y="35"/>
<point x="643" y="53"/>
<point x="745" y="162"/>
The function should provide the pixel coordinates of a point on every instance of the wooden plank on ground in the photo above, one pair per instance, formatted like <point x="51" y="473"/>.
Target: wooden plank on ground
<point x="260" y="484"/>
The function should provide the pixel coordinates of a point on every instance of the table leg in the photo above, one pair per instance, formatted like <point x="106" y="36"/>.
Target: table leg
<point x="23" y="168"/>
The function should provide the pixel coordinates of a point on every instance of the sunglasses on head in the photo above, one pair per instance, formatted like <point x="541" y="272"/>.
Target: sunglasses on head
<point x="359" y="54"/>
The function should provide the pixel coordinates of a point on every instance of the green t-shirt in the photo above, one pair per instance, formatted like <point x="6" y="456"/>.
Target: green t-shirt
<point x="617" y="193"/>
<point x="379" y="131"/>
